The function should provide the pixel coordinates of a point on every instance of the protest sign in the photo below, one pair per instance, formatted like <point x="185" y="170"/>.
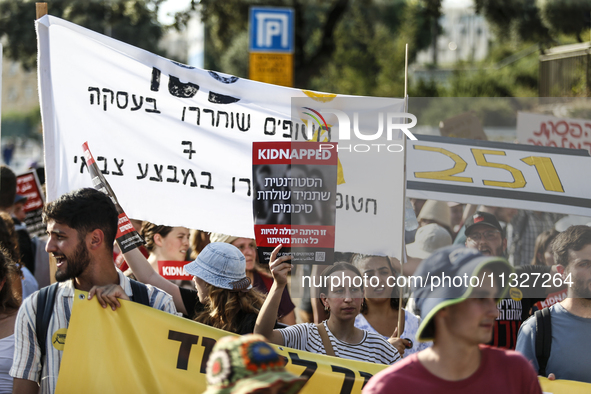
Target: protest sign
<point x="499" y="174"/>
<point x="127" y="237"/>
<point x="28" y="185"/>
<point x="547" y="130"/>
<point x="294" y="200"/>
<point x="175" y="142"/>
<point x="137" y="349"/>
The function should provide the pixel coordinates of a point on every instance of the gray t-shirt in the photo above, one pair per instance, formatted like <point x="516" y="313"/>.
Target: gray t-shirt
<point x="571" y="347"/>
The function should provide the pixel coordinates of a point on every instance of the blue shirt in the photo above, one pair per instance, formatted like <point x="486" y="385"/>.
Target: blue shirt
<point x="571" y="347"/>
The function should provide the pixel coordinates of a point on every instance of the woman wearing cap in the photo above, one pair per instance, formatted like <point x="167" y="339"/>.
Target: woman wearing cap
<point x="379" y="310"/>
<point x="224" y="298"/>
<point x="336" y="336"/>
<point x="261" y="280"/>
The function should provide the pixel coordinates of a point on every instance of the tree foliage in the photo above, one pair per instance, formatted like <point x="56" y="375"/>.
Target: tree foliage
<point x="350" y="47"/>
<point x="131" y="21"/>
<point x="541" y="21"/>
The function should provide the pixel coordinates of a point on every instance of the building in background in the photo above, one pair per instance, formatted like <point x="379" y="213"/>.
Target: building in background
<point x="465" y="36"/>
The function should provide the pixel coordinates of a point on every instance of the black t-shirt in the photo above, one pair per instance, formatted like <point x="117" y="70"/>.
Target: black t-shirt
<point x="193" y="306"/>
<point x="514" y="311"/>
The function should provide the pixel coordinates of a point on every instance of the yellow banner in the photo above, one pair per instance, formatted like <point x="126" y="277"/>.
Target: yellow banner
<point x="564" y="386"/>
<point x="137" y="349"/>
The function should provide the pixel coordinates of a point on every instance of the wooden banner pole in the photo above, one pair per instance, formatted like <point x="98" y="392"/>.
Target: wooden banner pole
<point x="41" y="10"/>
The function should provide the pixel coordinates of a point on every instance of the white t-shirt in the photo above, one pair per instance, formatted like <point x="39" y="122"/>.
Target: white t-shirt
<point x="411" y="326"/>
<point x="372" y="348"/>
<point x="6" y="354"/>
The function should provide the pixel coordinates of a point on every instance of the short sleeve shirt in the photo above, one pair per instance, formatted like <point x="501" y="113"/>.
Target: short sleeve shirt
<point x="500" y="371"/>
<point x="27" y="355"/>
<point x="373" y="347"/>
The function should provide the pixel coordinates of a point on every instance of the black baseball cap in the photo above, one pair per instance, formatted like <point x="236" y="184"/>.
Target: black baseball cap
<point x="482" y="218"/>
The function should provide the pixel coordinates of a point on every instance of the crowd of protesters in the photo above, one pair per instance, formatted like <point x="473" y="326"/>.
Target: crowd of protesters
<point x="452" y="339"/>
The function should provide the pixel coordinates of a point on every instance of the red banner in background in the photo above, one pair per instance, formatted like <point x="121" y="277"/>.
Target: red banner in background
<point x="174" y="270"/>
<point x="28" y="185"/>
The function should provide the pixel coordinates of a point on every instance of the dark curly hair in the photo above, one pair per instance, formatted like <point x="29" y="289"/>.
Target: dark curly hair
<point x="85" y="210"/>
<point x="8" y="237"/>
<point x="8" y="188"/>
<point x="573" y="238"/>
<point x="9" y="301"/>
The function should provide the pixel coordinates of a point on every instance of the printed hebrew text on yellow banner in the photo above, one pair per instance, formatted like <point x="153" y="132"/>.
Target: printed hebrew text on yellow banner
<point x="137" y="349"/>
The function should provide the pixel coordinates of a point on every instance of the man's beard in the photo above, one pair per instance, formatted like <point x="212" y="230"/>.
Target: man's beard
<point x="76" y="264"/>
<point x="581" y="289"/>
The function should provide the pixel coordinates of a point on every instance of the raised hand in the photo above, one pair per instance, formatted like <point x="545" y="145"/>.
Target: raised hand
<point x="280" y="267"/>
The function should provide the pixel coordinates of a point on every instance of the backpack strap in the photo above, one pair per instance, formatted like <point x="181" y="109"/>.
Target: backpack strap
<point x="543" y="339"/>
<point x="140" y="292"/>
<point x="45" y="301"/>
<point x="325" y="341"/>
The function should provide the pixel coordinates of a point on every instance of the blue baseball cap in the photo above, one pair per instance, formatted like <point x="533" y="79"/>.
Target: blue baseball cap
<point x="459" y="263"/>
<point x="221" y="265"/>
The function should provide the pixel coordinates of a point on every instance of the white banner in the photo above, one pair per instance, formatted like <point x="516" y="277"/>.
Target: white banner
<point x="175" y="142"/>
<point x="547" y="130"/>
<point x="500" y="174"/>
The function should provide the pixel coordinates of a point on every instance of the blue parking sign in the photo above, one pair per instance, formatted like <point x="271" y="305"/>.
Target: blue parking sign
<point x="271" y="30"/>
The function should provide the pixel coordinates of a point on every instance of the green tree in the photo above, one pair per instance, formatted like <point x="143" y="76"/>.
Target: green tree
<point x="569" y="17"/>
<point x="542" y="21"/>
<point x="350" y="47"/>
<point x="131" y="21"/>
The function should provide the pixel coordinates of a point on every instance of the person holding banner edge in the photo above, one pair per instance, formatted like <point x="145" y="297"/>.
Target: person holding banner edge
<point x="337" y="336"/>
<point x="82" y="226"/>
